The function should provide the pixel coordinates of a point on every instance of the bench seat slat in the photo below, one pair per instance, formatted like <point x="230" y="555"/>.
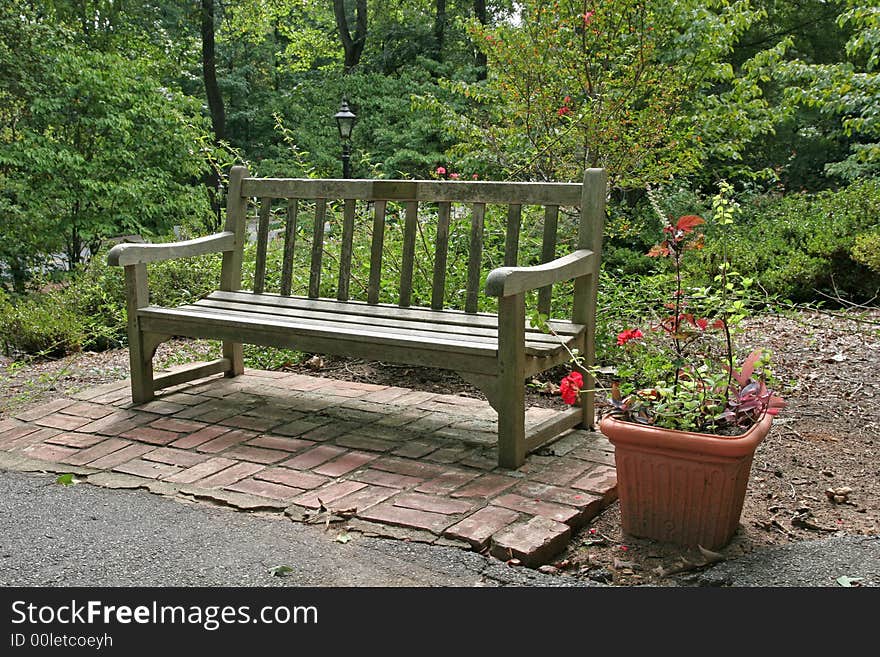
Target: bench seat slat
<point x="455" y="317"/>
<point x="540" y="342"/>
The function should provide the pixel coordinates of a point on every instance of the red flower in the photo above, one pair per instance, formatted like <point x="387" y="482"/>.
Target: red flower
<point x="588" y="17"/>
<point x="629" y="334"/>
<point x="454" y="176"/>
<point x="564" y="111"/>
<point x="570" y="386"/>
<point x="441" y="171"/>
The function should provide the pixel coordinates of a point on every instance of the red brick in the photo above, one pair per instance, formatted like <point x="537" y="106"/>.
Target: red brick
<point x="53" y="453"/>
<point x="178" y="426"/>
<point x="78" y="440"/>
<point x="447" y="482"/>
<point x="391" y="479"/>
<point x="256" y="454"/>
<point x="89" y="410"/>
<point x="594" y="456"/>
<point x="147" y="469"/>
<point x="401" y="516"/>
<point x="230" y="475"/>
<point x="328" y="494"/>
<point x="534" y="542"/>
<point x="115" y="423"/>
<point x="32" y="438"/>
<point x="200" y="470"/>
<point x="313" y="457"/>
<point x="364" y="498"/>
<point x="479" y="527"/>
<point x="43" y="410"/>
<point x="301" y="382"/>
<point x="61" y="421"/>
<point x="8" y="423"/>
<point x="299" y="427"/>
<point x="265" y="489"/>
<point x="601" y="480"/>
<point x="345" y="463"/>
<point x="251" y="422"/>
<point x="410" y="468"/>
<point x="105" y="447"/>
<point x="585" y="502"/>
<point x="281" y="442"/>
<point x="451" y="454"/>
<point x="199" y="437"/>
<point x="561" y="471"/>
<point x="432" y="503"/>
<point x="485" y="485"/>
<point x="414" y="449"/>
<point x="293" y="478"/>
<point x="150" y="435"/>
<point x="11" y="435"/>
<point x="557" y="512"/>
<point x="385" y="396"/>
<point x="119" y="456"/>
<point x="91" y="393"/>
<point x="228" y="439"/>
<point x="175" y="457"/>
<point x="365" y="442"/>
<point x="329" y="431"/>
<point x="160" y="407"/>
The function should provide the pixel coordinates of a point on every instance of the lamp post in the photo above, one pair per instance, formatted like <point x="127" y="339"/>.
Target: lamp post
<point x="345" y="122"/>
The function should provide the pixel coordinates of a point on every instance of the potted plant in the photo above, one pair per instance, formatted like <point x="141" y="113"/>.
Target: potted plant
<point x="685" y="416"/>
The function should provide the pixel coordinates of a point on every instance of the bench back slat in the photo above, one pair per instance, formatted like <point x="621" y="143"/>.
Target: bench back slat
<point x="409" y="250"/>
<point x="441" y="249"/>
<point x="262" y="243"/>
<point x="345" y="254"/>
<point x="289" y="244"/>
<point x="511" y="238"/>
<point x="317" y="248"/>
<point x="377" y="242"/>
<point x="475" y="258"/>
<point x="548" y="253"/>
<point x="438" y="228"/>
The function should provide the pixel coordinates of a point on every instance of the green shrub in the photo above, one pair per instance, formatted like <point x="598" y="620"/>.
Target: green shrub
<point x="43" y="324"/>
<point x="866" y="250"/>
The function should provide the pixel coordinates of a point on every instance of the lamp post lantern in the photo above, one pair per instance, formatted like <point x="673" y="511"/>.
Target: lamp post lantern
<point x="345" y="119"/>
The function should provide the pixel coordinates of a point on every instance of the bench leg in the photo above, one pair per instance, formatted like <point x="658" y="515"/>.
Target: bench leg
<point x="233" y="351"/>
<point x="140" y="355"/>
<point x="511" y="395"/>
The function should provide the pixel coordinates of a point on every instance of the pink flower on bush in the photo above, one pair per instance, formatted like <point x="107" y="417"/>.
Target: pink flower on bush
<point x="441" y="171"/>
<point x="588" y="17"/>
<point x="629" y="334"/>
<point x="570" y="386"/>
<point x="455" y="176"/>
<point x="565" y="110"/>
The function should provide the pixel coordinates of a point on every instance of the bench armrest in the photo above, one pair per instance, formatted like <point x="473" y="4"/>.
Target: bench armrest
<point x="507" y="281"/>
<point x="136" y="254"/>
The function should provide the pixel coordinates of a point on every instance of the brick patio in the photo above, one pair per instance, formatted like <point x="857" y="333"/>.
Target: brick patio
<point x="390" y="461"/>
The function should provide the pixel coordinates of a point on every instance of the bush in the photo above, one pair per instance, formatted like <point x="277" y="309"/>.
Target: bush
<point x="41" y="324"/>
<point x="805" y="246"/>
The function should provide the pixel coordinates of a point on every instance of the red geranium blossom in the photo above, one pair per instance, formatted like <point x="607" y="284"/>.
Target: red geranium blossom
<point x="570" y="386"/>
<point x="629" y="334"/>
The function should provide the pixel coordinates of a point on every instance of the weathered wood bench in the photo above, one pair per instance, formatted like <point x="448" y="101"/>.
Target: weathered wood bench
<point x="495" y="352"/>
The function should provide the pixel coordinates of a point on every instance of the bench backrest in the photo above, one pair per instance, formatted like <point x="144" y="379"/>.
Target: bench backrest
<point x="434" y="219"/>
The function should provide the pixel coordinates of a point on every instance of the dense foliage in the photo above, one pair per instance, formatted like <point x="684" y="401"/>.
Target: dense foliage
<point x="123" y="118"/>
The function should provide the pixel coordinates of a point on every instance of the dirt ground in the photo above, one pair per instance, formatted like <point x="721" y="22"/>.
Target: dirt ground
<point x="826" y="438"/>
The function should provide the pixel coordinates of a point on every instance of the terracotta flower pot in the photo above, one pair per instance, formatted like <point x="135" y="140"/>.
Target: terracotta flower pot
<point x="682" y="487"/>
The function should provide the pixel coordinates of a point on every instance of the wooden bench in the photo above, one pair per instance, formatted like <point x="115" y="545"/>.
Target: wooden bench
<point x="496" y="352"/>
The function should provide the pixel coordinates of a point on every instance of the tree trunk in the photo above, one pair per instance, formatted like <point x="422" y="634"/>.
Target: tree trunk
<point x="483" y="17"/>
<point x="209" y="72"/>
<point x="439" y="28"/>
<point x="353" y="46"/>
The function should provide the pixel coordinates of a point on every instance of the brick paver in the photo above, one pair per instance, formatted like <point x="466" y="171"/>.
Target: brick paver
<point x="412" y="459"/>
<point x="479" y="527"/>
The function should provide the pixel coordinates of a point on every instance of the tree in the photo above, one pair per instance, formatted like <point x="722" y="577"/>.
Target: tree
<point x="353" y="45"/>
<point x="625" y="84"/>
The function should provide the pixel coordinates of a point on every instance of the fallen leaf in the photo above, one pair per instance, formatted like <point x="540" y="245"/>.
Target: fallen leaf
<point x="849" y="582"/>
<point x="66" y="480"/>
<point x="343" y="537"/>
<point x="711" y="557"/>
<point x="280" y="571"/>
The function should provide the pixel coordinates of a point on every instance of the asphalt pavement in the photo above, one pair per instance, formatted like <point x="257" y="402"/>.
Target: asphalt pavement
<point x="82" y="535"/>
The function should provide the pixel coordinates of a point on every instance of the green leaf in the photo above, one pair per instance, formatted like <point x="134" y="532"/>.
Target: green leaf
<point x="66" y="480"/>
<point x="280" y="571"/>
<point x="343" y="537"/>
